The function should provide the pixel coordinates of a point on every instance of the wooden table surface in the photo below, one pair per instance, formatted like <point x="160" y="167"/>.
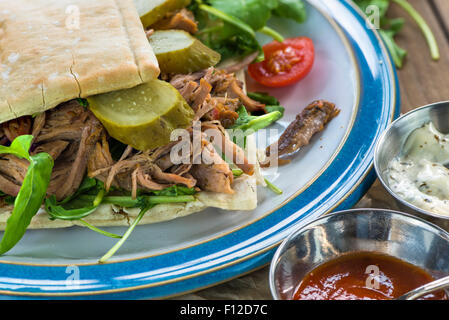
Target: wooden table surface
<point x="422" y="81"/>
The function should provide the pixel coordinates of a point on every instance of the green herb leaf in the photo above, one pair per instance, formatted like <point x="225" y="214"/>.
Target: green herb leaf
<point x="254" y="13"/>
<point x="232" y="37"/>
<point x="264" y="98"/>
<point x="31" y="194"/>
<point x="71" y="210"/>
<point x="19" y="147"/>
<point x="271" y="109"/>
<point x="230" y="26"/>
<point x="397" y="53"/>
<point x="391" y="27"/>
<point x="237" y="172"/>
<point x="273" y="188"/>
<point x="75" y="207"/>
<point x="83" y="102"/>
<point x="128" y="232"/>
<point x="102" y="232"/>
<point x="247" y="122"/>
<point x="291" y="9"/>
<point x="176" y="191"/>
<point x="272" y="104"/>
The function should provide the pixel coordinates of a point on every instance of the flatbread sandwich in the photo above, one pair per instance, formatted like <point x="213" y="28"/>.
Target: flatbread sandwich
<point x="88" y="121"/>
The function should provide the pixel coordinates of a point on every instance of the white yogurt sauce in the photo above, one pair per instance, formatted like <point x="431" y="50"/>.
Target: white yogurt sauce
<point x="418" y="175"/>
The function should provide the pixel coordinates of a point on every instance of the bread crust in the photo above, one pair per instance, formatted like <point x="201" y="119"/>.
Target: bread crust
<point x="45" y="59"/>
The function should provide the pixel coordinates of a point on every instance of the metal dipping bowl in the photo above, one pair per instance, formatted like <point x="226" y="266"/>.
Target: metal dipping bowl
<point x="394" y="138"/>
<point x="396" y="234"/>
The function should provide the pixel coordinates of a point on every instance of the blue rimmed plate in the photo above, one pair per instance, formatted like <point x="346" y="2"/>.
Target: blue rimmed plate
<point x="352" y="69"/>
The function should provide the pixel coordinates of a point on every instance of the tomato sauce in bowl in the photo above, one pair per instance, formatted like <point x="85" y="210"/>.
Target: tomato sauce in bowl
<point x="364" y="276"/>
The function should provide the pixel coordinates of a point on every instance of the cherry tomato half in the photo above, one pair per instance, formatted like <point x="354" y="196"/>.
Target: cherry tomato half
<point x="285" y="62"/>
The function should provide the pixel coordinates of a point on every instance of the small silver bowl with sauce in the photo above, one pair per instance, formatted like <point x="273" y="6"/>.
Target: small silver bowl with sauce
<point x="399" y="235"/>
<point x="392" y="142"/>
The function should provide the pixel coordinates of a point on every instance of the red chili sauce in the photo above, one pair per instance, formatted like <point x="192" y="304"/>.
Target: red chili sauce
<point x="364" y="276"/>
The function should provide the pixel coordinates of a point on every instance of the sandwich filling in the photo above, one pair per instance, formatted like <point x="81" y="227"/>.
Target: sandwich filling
<point x="80" y="145"/>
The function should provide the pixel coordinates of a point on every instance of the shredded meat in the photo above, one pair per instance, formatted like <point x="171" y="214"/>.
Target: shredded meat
<point x="3" y="137"/>
<point x="77" y="163"/>
<point x="100" y="158"/>
<point x="229" y="148"/>
<point x="214" y="175"/>
<point x="215" y="95"/>
<point x="235" y="91"/>
<point x="17" y="127"/>
<point x="13" y="168"/>
<point x="200" y="95"/>
<point x="54" y="148"/>
<point x="38" y="124"/>
<point x="154" y="170"/>
<point x="241" y="64"/>
<point x="182" y="20"/>
<point x="308" y="123"/>
<point x="9" y="187"/>
<point x="68" y="133"/>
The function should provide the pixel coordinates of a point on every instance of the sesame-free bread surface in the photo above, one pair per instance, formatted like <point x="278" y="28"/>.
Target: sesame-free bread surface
<point x="52" y="51"/>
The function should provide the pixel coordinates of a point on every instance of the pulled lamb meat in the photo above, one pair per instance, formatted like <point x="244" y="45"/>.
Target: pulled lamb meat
<point x="69" y="134"/>
<point x="299" y="133"/>
<point x="215" y="95"/>
<point x="182" y="20"/>
<point x="17" y="127"/>
<point x="154" y="170"/>
<point x="3" y="138"/>
<point x="214" y="174"/>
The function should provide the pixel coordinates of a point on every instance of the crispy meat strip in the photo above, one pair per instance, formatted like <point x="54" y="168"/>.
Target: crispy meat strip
<point x="309" y="122"/>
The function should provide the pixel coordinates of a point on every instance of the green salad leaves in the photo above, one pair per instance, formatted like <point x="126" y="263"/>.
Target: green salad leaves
<point x="389" y="28"/>
<point x="230" y="26"/>
<point x="31" y="194"/>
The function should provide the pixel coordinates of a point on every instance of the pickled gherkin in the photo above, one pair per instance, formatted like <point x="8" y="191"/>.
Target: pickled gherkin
<point x="142" y="117"/>
<point x="180" y="53"/>
<point x="151" y="11"/>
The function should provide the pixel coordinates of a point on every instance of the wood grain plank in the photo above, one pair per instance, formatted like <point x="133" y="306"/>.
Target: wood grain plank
<point x="442" y="11"/>
<point x="422" y="80"/>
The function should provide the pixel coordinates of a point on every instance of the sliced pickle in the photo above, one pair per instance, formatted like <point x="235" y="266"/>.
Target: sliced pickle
<point x="142" y="117"/>
<point x="179" y="52"/>
<point x="151" y="11"/>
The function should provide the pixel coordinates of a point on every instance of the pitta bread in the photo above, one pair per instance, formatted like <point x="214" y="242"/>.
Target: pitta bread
<point x="45" y="59"/>
<point x="245" y="199"/>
